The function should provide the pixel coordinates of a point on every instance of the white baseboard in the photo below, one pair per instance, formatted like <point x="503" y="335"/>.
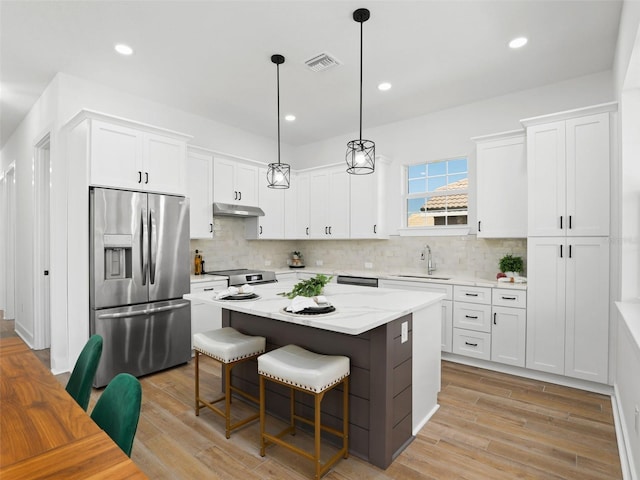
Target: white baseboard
<point x="624" y="447"/>
<point x="424" y="421"/>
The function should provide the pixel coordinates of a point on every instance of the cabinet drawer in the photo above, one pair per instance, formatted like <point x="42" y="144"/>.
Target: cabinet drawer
<point x="199" y="287"/>
<point x="507" y="297"/>
<point x="472" y="344"/>
<point x="472" y="294"/>
<point x="472" y="316"/>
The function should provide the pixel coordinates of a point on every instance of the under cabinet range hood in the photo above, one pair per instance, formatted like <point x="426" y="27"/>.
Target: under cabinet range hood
<point x="233" y="210"/>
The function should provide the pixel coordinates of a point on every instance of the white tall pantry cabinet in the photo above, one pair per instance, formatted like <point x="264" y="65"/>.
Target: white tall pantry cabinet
<point x="568" y="161"/>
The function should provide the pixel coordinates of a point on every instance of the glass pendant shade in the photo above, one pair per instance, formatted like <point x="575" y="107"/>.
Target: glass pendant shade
<point x="278" y="175"/>
<point x="361" y="157"/>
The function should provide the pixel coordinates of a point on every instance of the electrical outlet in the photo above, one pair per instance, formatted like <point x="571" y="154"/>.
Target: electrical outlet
<point x="267" y="263"/>
<point x="368" y="265"/>
<point x="319" y="263"/>
<point x="404" y="332"/>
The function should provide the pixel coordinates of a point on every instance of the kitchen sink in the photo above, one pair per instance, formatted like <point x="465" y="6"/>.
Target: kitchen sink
<point x="426" y="277"/>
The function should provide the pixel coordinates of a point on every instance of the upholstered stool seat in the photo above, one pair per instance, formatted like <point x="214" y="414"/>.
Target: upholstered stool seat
<point x="314" y="374"/>
<point x="230" y="348"/>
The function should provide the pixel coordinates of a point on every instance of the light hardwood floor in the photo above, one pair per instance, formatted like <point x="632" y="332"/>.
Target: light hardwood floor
<point x="489" y="426"/>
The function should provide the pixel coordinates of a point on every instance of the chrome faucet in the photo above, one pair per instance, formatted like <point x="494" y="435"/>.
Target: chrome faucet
<point x="426" y="253"/>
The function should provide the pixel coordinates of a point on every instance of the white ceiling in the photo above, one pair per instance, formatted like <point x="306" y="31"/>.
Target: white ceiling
<point x="212" y="58"/>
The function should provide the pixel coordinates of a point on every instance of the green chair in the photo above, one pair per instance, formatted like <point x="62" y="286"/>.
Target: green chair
<point x="79" y="385"/>
<point x="118" y="409"/>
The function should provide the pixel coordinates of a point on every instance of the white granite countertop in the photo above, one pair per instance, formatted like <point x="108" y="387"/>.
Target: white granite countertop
<point x="206" y="278"/>
<point x="358" y="309"/>
<point x="450" y="279"/>
<point x="630" y="312"/>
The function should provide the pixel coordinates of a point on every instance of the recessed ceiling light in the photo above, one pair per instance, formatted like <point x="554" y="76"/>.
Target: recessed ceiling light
<point x="123" y="49"/>
<point x="290" y="118"/>
<point x="384" y="86"/>
<point x="518" y="42"/>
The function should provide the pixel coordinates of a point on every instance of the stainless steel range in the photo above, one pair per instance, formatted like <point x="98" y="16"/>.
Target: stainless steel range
<point x="243" y="276"/>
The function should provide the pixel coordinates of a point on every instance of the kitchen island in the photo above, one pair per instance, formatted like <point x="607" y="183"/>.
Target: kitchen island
<point x="392" y="338"/>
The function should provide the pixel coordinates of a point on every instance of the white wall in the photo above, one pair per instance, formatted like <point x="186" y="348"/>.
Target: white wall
<point x="448" y="133"/>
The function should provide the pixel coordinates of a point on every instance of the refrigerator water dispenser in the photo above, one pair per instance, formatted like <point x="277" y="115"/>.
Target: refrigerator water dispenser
<point x="117" y="256"/>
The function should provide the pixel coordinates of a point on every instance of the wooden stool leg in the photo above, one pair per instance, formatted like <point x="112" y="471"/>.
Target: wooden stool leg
<point x="227" y="399"/>
<point x="197" y="367"/>
<point x="262" y="415"/>
<point x="292" y="409"/>
<point x="317" y="429"/>
<point x="345" y="417"/>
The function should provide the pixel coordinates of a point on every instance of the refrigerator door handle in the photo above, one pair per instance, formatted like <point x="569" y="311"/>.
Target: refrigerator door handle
<point x="143" y="246"/>
<point x="153" y="245"/>
<point x="146" y="311"/>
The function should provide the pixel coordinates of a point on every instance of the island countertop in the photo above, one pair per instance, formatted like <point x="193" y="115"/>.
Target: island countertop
<point x="358" y="309"/>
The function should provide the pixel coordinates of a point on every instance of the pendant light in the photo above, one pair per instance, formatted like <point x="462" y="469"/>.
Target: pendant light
<point x="361" y="154"/>
<point x="278" y="174"/>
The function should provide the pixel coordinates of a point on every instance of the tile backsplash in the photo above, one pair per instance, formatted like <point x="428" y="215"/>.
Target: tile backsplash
<point x="458" y="255"/>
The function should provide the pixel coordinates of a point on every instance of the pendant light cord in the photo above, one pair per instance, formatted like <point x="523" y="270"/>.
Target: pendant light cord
<point x="278" y="88"/>
<point x="361" y="82"/>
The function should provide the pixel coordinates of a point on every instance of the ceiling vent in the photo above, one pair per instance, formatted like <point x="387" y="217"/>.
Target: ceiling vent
<point x="322" y="61"/>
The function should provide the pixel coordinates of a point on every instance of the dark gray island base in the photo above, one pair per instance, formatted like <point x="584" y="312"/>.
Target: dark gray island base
<point x="380" y="399"/>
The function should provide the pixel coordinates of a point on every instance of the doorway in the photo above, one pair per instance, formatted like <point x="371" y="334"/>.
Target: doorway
<point x="8" y="241"/>
<point x="41" y="244"/>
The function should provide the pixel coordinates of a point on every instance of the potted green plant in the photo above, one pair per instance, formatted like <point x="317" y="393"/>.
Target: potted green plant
<point x="511" y="266"/>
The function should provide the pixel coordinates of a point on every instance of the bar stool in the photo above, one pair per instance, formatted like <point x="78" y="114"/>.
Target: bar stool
<point x="314" y="374"/>
<point x="230" y="348"/>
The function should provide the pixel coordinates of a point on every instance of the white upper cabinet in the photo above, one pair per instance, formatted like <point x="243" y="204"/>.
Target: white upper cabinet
<point x="200" y="192"/>
<point x="130" y="157"/>
<point x="367" y="203"/>
<point x="568" y="173"/>
<point x="271" y="201"/>
<point x="235" y="182"/>
<point x="296" y="207"/>
<point x="502" y="185"/>
<point x="329" y="203"/>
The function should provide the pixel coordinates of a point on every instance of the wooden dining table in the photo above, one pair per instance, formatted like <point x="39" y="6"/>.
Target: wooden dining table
<point x="43" y="432"/>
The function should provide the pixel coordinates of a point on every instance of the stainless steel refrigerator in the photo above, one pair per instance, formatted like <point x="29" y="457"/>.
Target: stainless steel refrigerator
<point x="139" y="271"/>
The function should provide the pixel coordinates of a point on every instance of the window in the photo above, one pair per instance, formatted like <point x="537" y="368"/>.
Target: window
<point x="437" y="193"/>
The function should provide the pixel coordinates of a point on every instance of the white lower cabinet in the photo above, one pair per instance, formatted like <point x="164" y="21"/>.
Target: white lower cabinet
<point x="568" y="306"/>
<point x="472" y="343"/>
<point x="508" y="335"/>
<point x="205" y="316"/>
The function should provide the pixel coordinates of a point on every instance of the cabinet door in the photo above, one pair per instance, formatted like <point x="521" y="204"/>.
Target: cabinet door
<point x="246" y="181"/>
<point x="164" y="164"/>
<point x="588" y="175"/>
<point x="546" y="175"/>
<point x="116" y="156"/>
<point x="546" y="304"/>
<point x="447" y="326"/>
<point x="502" y="188"/>
<point x="224" y="189"/>
<point x="296" y="207"/>
<point x="508" y="335"/>
<point x="271" y="200"/>
<point x="366" y="210"/>
<point x="318" y="204"/>
<point x="587" y="310"/>
<point x="338" y="200"/>
<point x="200" y="193"/>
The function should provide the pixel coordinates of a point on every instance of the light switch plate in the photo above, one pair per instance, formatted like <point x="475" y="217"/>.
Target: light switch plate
<point x="404" y="332"/>
<point x="368" y="265"/>
<point x="319" y="263"/>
